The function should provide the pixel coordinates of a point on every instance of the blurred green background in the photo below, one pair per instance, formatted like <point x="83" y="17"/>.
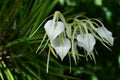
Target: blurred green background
<point x="20" y="18"/>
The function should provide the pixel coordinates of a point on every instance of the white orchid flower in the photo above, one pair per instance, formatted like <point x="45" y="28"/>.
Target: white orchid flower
<point x="104" y="33"/>
<point x="87" y="41"/>
<point x="53" y="30"/>
<point x="61" y="46"/>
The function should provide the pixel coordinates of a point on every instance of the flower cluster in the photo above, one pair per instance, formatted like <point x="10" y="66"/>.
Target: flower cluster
<point x="65" y="37"/>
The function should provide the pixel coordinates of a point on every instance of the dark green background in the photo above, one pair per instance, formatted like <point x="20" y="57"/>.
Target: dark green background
<point x="25" y="64"/>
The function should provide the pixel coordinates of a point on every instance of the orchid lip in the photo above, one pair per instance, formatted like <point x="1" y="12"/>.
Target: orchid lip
<point x="53" y="30"/>
<point x="104" y="33"/>
<point x="61" y="46"/>
<point x="87" y="41"/>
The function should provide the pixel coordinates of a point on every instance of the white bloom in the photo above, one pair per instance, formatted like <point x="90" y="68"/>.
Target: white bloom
<point x="104" y="33"/>
<point x="61" y="46"/>
<point x="53" y="30"/>
<point x="87" y="41"/>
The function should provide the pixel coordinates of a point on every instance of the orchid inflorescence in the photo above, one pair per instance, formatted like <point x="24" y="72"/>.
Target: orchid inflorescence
<point x="65" y="38"/>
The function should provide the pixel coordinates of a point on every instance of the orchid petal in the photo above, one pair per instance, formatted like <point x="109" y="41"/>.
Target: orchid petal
<point x="53" y="31"/>
<point x="61" y="46"/>
<point x="87" y="41"/>
<point x="104" y="33"/>
<point x="69" y="31"/>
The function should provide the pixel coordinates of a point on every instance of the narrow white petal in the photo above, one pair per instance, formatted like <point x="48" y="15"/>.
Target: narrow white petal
<point x="104" y="33"/>
<point x="61" y="46"/>
<point x="53" y="31"/>
<point x="69" y="31"/>
<point x="87" y="41"/>
<point x="74" y="51"/>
